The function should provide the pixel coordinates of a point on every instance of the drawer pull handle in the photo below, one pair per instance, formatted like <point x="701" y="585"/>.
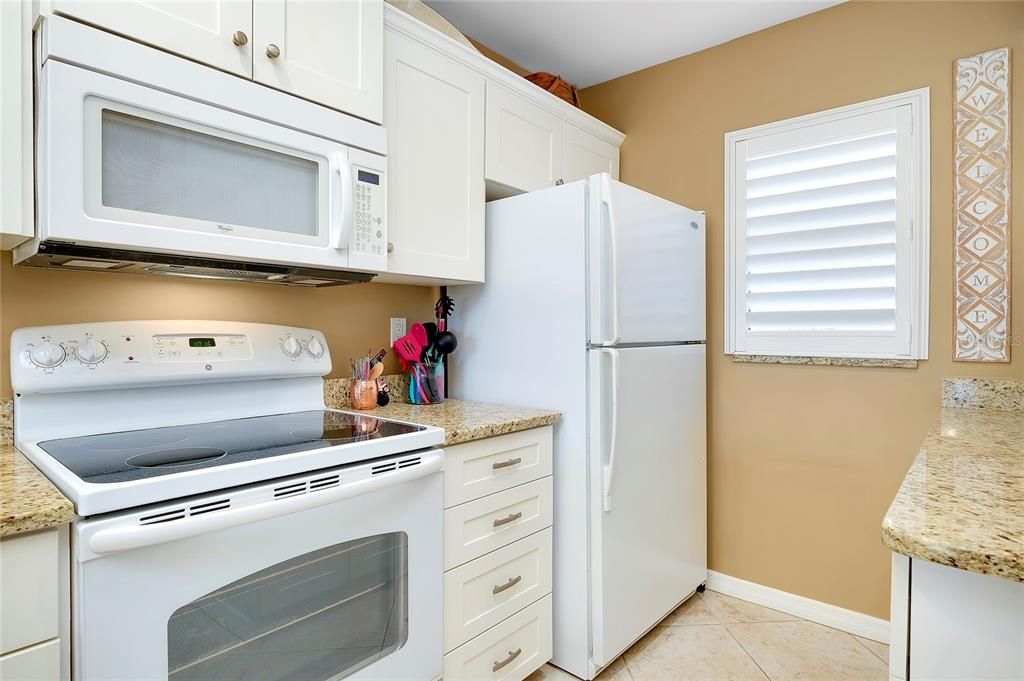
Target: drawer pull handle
<point x="511" y="517"/>
<point x="497" y="465"/>
<point x="512" y="654"/>
<point x="512" y="581"/>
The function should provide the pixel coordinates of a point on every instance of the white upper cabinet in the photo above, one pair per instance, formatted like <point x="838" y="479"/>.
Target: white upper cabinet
<point x="524" y="142"/>
<point x="586" y="155"/>
<point x="434" y="114"/>
<point x="529" y="147"/>
<point x="215" y="32"/>
<point x="329" y="52"/>
<point x="17" y="218"/>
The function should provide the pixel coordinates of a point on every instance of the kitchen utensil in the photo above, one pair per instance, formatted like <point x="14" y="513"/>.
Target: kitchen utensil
<point x="442" y="309"/>
<point x="419" y="333"/>
<point x="383" y="392"/>
<point x="408" y="348"/>
<point x="423" y="384"/>
<point x="379" y="357"/>
<point x="431" y="329"/>
<point x="377" y="370"/>
<point x="445" y="343"/>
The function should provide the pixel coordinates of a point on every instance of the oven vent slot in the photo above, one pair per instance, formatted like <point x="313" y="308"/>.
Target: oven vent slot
<point x="162" y="517"/>
<point x="384" y="468"/>
<point x="209" y="507"/>
<point x="317" y="484"/>
<point x="292" y="490"/>
<point x="414" y="461"/>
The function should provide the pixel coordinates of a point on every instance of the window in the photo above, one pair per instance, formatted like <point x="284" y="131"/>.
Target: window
<point x="827" y="233"/>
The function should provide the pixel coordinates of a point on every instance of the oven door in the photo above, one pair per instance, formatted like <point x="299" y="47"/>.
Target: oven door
<point x="335" y="574"/>
<point x="132" y="167"/>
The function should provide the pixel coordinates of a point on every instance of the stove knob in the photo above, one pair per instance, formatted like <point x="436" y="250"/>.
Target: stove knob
<point x="291" y="347"/>
<point x="315" y="348"/>
<point x="47" y="355"/>
<point x="91" y="351"/>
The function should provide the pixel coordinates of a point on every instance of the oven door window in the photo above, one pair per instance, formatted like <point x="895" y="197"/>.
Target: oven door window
<point x="322" y="615"/>
<point x="155" y="170"/>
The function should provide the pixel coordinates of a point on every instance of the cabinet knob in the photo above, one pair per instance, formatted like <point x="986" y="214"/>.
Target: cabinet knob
<point x="273" y="51"/>
<point x="559" y="182"/>
<point x="391" y="247"/>
<point x="239" y="38"/>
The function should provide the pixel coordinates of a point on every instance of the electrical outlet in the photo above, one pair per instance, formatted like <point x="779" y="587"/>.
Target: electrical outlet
<point x="397" y="329"/>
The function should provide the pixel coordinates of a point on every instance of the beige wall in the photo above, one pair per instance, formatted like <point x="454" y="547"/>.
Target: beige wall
<point x="803" y="461"/>
<point x="354" y="318"/>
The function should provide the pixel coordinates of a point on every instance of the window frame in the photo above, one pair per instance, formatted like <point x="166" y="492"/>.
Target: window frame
<point x="912" y="266"/>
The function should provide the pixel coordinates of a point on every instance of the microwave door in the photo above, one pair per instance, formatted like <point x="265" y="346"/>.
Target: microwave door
<point x="129" y="167"/>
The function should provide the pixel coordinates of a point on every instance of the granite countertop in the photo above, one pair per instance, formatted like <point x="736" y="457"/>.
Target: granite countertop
<point x="465" y="421"/>
<point x="27" y="499"/>
<point x="962" y="501"/>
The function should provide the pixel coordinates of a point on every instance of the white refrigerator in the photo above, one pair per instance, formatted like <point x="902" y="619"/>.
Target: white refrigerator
<point x="595" y="306"/>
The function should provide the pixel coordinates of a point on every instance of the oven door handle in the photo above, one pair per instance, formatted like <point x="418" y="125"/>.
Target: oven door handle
<point x="127" y="537"/>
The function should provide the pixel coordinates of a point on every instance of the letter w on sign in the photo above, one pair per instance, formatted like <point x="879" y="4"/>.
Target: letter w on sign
<point x="982" y="207"/>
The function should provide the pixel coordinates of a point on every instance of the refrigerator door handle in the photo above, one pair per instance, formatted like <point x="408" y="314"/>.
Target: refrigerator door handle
<point x="609" y="468"/>
<point x="609" y="214"/>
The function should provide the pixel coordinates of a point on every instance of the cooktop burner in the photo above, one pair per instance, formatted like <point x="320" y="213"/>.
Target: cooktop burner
<point x="138" y="454"/>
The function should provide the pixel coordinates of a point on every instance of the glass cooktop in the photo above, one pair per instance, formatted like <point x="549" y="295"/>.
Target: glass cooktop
<point x="138" y="454"/>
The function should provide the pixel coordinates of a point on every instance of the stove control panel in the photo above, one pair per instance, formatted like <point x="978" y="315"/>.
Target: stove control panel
<point x="176" y="347"/>
<point x="124" y="354"/>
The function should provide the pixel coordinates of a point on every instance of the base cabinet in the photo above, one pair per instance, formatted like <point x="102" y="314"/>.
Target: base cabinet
<point x="33" y="605"/>
<point x="498" y="550"/>
<point x="956" y="624"/>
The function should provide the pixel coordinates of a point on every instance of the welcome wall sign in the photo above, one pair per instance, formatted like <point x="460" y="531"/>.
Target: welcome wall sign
<point x="982" y="217"/>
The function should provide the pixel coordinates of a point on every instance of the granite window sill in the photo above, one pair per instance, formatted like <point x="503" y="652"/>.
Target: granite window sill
<point x="828" y="361"/>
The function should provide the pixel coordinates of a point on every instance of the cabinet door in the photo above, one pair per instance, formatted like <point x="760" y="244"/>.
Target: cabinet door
<point x="524" y="142"/>
<point x="36" y="663"/>
<point x="587" y="155"/>
<point x="17" y="217"/>
<point x="434" y="114"/>
<point x="329" y="52"/>
<point x="204" y="31"/>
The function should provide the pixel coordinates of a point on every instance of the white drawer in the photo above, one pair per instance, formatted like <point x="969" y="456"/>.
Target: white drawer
<point x="483" y="467"/>
<point x="485" y="591"/>
<point x="39" y="663"/>
<point x="481" y="526"/>
<point x="28" y="587"/>
<point x="511" y="651"/>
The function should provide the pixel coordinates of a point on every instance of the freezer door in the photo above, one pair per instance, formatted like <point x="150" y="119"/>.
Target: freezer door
<point x="648" y="493"/>
<point x="646" y="267"/>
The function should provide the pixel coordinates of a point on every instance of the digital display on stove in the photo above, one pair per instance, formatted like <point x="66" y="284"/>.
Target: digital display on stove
<point x="368" y="178"/>
<point x="202" y="343"/>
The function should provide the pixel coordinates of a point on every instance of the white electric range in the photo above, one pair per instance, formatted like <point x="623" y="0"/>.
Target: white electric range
<point x="230" y="526"/>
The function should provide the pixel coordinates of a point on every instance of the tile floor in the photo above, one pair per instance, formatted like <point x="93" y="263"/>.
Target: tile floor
<point x="713" y="637"/>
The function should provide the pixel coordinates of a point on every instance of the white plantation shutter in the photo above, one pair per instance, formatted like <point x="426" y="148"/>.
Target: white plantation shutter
<point x="823" y="257"/>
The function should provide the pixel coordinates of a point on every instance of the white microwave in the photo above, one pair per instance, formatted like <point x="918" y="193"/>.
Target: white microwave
<point x="149" y="163"/>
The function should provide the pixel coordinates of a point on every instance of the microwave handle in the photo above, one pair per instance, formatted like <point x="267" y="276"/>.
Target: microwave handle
<point x="342" y="212"/>
<point x="129" y="535"/>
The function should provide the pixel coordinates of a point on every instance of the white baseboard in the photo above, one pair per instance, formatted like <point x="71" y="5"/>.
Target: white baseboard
<point x="852" y="622"/>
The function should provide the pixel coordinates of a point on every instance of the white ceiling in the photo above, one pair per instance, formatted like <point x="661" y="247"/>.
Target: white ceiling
<point x="591" y="41"/>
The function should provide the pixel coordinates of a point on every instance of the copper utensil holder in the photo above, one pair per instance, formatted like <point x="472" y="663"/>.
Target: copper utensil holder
<point x="362" y="393"/>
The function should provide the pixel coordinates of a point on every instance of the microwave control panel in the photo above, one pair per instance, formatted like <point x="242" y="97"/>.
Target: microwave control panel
<point x="369" y="233"/>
